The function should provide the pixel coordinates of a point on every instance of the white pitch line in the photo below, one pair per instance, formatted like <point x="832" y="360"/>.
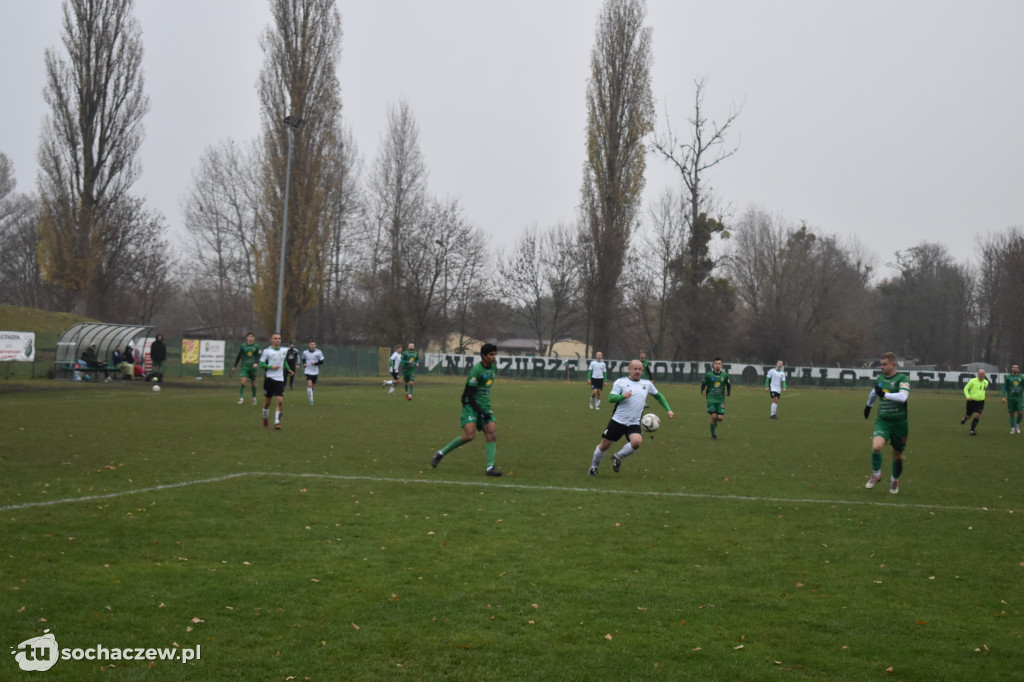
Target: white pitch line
<point x="518" y="486"/>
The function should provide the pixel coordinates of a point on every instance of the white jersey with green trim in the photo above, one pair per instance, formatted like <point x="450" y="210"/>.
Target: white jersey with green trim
<point x="629" y="410"/>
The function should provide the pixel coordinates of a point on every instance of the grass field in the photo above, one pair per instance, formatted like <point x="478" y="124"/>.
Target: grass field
<point x="331" y="550"/>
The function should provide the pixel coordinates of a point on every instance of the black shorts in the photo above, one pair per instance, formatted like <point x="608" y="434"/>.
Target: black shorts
<point x="272" y="387"/>
<point x="312" y="377"/>
<point x="597" y="384"/>
<point x="616" y="430"/>
<point x="775" y="394"/>
<point x="394" y="374"/>
<point x="975" y="406"/>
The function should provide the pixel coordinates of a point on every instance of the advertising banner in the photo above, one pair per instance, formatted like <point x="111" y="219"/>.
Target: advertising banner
<point x="18" y="346"/>
<point x="211" y="357"/>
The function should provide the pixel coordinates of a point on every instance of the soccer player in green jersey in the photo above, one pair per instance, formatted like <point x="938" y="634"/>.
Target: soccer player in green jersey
<point x="716" y="387"/>
<point x="476" y="409"/>
<point x="410" y="358"/>
<point x="891" y="392"/>
<point x="248" y="356"/>
<point x="1013" y="396"/>
<point x="647" y="372"/>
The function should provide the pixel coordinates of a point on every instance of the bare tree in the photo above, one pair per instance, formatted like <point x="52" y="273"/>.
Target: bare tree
<point x="302" y="49"/>
<point x="397" y="200"/>
<point x="87" y="152"/>
<point x="620" y="115"/>
<point x="654" y="286"/>
<point x="928" y="306"/>
<point x="1000" y="281"/>
<point x="222" y="216"/>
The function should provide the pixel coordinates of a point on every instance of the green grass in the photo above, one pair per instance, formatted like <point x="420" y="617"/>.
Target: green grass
<point x="331" y="550"/>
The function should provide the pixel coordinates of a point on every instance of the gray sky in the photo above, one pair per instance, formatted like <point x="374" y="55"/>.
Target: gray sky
<point x="894" y="122"/>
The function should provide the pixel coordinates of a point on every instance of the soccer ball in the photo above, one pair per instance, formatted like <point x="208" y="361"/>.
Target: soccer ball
<point x="650" y="422"/>
<point x="156" y="388"/>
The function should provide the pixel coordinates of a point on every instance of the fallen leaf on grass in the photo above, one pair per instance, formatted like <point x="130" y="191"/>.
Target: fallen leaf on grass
<point x="198" y="620"/>
<point x="608" y="637"/>
<point x="355" y="626"/>
<point x="737" y="648"/>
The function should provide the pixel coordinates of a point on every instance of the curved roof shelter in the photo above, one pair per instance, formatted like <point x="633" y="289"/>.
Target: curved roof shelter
<point x="77" y="338"/>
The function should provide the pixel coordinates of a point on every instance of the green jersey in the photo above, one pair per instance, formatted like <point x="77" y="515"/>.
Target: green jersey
<point x="716" y="386"/>
<point x="1013" y="386"/>
<point x="646" y="373"/>
<point x="409" y="359"/>
<point x="247" y="355"/>
<point x="891" y="410"/>
<point x="478" y="387"/>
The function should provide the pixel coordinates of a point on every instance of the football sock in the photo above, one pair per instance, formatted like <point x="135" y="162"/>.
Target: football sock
<point x="714" y="427"/>
<point x="591" y="401"/>
<point x="876" y="461"/>
<point x="309" y="392"/>
<point x="389" y="382"/>
<point x="897" y="467"/>
<point x="1018" y="420"/>
<point x="241" y="391"/>
<point x="451" y="446"/>
<point x="253" y="389"/>
<point x="408" y="389"/>
<point x="626" y="450"/>
<point x="775" y="406"/>
<point x="597" y="403"/>
<point x="277" y="417"/>
<point x="491" y="447"/>
<point x="598" y="456"/>
<point x="1013" y="422"/>
<point x="974" y="424"/>
<point x="391" y="390"/>
<point x="266" y="413"/>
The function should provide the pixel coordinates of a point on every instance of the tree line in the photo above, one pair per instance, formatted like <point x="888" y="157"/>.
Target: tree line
<point x="373" y="256"/>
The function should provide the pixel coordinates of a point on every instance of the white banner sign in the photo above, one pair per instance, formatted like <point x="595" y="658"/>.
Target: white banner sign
<point x="18" y="346"/>
<point x="211" y="356"/>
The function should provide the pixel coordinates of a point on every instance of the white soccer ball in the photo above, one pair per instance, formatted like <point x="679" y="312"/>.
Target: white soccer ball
<point x="650" y="422"/>
<point x="156" y="388"/>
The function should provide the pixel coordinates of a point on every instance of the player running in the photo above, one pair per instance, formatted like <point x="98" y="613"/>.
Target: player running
<point x="891" y="392"/>
<point x="394" y="363"/>
<point x="775" y="384"/>
<point x="716" y="387"/>
<point x="311" y="361"/>
<point x="628" y="396"/>
<point x="410" y="358"/>
<point x="273" y="360"/>
<point x="476" y="409"/>
<point x="248" y="355"/>
<point x="595" y="375"/>
<point x="1013" y="396"/>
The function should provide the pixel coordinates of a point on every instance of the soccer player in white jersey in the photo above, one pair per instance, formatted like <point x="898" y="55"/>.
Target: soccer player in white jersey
<point x="628" y="396"/>
<point x="395" y="363"/>
<point x="775" y="384"/>
<point x="595" y="375"/>
<point x="311" y="361"/>
<point x="273" y="360"/>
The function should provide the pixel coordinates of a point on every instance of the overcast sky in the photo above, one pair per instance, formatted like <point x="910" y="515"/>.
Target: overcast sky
<point x="891" y="121"/>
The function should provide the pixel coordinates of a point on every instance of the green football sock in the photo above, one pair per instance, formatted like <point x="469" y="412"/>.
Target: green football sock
<point x="876" y="461"/>
<point x="241" y="391"/>
<point x="897" y="467"/>
<point x="1013" y="422"/>
<point x="451" y="446"/>
<point x="254" y="389"/>
<point x="491" y="447"/>
<point x="714" y="426"/>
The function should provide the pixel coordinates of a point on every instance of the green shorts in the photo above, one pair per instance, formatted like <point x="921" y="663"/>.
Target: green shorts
<point x="409" y="375"/>
<point x="470" y="416"/>
<point x="895" y="432"/>
<point x="716" y="408"/>
<point x="1015" y="404"/>
<point x="250" y="373"/>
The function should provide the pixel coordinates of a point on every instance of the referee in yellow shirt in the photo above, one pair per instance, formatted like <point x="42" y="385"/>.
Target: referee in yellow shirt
<point x="974" y="391"/>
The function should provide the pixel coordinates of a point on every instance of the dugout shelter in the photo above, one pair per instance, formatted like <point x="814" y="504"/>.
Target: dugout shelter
<point x="75" y="339"/>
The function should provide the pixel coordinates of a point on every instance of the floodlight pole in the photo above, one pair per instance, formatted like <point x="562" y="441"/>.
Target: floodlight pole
<point x="292" y="124"/>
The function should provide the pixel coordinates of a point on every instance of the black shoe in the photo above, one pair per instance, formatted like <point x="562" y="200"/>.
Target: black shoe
<point x="973" y="433"/>
<point x="714" y="437"/>
<point x="774" y="416"/>
<point x="491" y="471"/>
<point x="437" y="459"/>
<point x="963" y="421"/>
<point x="592" y="472"/>
<point x="616" y="463"/>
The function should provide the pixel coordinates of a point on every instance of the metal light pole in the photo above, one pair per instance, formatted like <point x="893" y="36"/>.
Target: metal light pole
<point x="292" y="124"/>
